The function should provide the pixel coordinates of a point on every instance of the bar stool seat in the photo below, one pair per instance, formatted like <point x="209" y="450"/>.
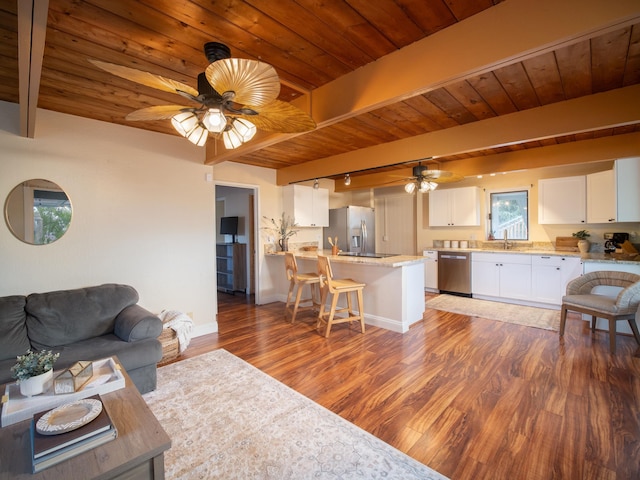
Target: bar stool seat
<point x="335" y="287"/>
<point x="297" y="281"/>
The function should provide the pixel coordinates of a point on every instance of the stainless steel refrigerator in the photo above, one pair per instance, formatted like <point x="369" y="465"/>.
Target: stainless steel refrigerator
<point x="354" y="227"/>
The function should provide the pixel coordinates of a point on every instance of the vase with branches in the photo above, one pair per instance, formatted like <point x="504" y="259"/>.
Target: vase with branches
<point x="282" y="229"/>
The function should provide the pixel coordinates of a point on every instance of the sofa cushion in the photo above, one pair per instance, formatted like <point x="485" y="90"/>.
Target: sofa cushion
<point x="13" y="327"/>
<point x="69" y="316"/>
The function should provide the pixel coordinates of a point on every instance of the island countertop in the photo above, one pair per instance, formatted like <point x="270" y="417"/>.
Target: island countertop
<point x="391" y="262"/>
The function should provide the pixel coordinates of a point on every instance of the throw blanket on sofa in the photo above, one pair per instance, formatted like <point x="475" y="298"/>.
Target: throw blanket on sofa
<point x="180" y="323"/>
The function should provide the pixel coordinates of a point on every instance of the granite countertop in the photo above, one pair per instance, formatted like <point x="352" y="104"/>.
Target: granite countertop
<point x="598" y="257"/>
<point x="391" y="262"/>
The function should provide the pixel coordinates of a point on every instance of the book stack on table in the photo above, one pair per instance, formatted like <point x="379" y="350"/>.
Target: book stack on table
<point x="49" y="449"/>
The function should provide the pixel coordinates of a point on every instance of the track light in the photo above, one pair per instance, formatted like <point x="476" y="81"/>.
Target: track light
<point x="316" y="184"/>
<point x="347" y="179"/>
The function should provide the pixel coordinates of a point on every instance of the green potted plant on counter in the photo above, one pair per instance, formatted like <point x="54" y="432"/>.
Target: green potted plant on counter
<point x="33" y="370"/>
<point x="583" y="243"/>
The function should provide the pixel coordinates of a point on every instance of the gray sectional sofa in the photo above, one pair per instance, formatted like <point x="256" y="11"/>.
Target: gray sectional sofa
<point x="82" y="324"/>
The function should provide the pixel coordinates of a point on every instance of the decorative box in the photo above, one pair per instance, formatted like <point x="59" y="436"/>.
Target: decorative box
<point x="73" y="378"/>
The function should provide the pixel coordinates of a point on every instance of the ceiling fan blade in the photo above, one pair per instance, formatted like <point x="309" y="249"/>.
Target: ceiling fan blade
<point x="145" y="78"/>
<point x="254" y="83"/>
<point x="281" y="117"/>
<point x="161" y="112"/>
<point x="442" y="176"/>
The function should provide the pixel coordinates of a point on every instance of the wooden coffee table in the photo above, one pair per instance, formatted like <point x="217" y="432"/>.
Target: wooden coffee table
<point x="137" y="452"/>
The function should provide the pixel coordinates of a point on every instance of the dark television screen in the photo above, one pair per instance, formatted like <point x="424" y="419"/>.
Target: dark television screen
<point x="229" y="226"/>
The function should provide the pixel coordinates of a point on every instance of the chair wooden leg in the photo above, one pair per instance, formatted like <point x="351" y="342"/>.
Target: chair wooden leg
<point x="361" y="309"/>
<point x="612" y="335"/>
<point x="297" y="304"/>
<point x="563" y="319"/>
<point x="334" y="303"/>
<point x="323" y="301"/>
<point x="289" y="295"/>
<point x="594" y="322"/>
<point x="634" y="329"/>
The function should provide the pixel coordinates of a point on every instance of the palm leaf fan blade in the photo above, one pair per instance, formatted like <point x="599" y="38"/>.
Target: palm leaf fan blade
<point x="145" y="78"/>
<point x="161" y="112"/>
<point x="254" y="83"/>
<point x="281" y="117"/>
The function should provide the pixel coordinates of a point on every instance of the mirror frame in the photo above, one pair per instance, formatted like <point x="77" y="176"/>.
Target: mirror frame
<point x="20" y="206"/>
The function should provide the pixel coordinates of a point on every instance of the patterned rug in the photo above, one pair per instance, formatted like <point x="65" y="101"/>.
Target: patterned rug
<point x="227" y="419"/>
<point x="505" y="312"/>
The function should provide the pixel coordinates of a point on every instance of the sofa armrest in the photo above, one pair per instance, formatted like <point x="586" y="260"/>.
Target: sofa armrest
<point x="136" y="323"/>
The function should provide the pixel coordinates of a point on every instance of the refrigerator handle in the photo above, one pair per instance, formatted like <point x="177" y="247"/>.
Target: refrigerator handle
<point x="364" y="236"/>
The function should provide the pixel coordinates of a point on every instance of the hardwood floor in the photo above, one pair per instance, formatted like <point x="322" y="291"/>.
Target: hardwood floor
<point x="471" y="398"/>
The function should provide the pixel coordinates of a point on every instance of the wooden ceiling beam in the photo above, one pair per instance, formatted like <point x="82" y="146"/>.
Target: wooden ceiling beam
<point x="448" y="56"/>
<point x="594" y="112"/>
<point x="32" y="29"/>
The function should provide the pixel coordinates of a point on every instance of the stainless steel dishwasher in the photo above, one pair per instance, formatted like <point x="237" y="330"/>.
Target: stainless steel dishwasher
<point x="454" y="273"/>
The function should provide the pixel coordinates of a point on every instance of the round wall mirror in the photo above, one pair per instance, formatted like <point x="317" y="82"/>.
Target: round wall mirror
<point x="38" y="212"/>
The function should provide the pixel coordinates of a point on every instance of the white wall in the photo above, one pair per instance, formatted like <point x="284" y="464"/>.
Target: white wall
<point x="143" y="213"/>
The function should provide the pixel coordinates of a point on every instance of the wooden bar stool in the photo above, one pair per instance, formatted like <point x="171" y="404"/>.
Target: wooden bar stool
<point x="298" y="281"/>
<point x="335" y="287"/>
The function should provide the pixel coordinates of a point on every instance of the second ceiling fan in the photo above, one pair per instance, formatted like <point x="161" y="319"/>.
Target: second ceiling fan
<point x="235" y="96"/>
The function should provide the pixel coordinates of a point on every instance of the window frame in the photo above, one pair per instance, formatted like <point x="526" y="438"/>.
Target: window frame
<point x="489" y="224"/>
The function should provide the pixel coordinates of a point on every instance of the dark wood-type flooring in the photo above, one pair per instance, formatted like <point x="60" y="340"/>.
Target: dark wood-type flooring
<point x="469" y="397"/>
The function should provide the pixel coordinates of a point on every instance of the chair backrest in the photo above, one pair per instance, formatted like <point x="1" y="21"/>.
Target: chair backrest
<point x="290" y="266"/>
<point x="629" y="284"/>
<point x="324" y="270"/>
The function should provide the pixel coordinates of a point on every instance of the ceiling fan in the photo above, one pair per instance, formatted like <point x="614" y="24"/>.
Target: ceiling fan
<point x="425" y="180"/>
<point x="235" y="96"/>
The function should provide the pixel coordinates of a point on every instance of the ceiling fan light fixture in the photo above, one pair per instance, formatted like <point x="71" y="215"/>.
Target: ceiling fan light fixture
<point x="198" y="135"/>
<point x="240" y="131"/>
<point x="214" y="120"/>
<point x="410" y="187"/>
<point x="347" y="179"/>
<point x="184" y="122"/>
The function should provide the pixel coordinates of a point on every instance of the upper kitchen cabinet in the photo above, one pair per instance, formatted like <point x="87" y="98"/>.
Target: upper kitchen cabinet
<point x="562" y="200"/>
<point x="627" y="172"/>
<point x="601" y="200"/>
<point x="454" y="207"/>
<point x="308" y="206"/>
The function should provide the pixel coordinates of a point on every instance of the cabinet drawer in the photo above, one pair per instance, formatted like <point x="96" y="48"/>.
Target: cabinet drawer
<point x="523" y="259"/>
<point x="550" y="260"/>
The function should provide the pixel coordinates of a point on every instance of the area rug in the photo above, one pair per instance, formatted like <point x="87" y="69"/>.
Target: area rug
<point x="505" y="312"/>
<point x="227" y="419"/>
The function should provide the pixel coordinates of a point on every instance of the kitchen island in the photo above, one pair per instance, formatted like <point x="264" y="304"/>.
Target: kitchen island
<point x="394" y="292"/>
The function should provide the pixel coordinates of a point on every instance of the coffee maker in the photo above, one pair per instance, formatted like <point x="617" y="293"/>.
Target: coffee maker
<point x="614" y="241"/>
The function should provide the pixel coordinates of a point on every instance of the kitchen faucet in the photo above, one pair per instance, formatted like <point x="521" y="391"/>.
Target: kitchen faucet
<point x="507" y="245"/>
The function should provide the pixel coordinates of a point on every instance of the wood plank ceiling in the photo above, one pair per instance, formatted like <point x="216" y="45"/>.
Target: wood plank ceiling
<point x="316" y="44"/>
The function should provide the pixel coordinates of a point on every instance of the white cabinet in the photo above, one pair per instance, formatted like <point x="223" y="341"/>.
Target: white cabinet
<point x="459" y="207"/>
<point x="627" y="171"/>
<point x="562" y="200"/>
<point x="550" y="275"/>
<point x="506" y="275"/>
<point x="601" y="197"/>
<point x="308" y="206"/>
<point x="431" y="270"/>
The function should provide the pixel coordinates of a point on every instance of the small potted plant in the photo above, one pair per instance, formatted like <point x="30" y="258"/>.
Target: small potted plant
<point x="583" y="243"/>
<point x="283" y="229"/>
<point x="33" y="370"/>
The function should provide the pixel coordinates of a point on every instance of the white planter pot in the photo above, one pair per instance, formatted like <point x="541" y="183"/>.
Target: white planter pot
<point x="35" y="385"/>
<point x="583" y="246"/>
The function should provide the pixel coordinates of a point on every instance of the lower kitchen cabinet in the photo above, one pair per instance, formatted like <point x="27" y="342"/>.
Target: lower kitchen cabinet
<point x="501" y="275"/>
<point x="550" y="275"/>
<point x="431" y="270"/>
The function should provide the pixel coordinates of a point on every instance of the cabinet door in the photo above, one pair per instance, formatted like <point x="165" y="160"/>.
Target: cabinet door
<point x="601" y="198"/>
<point x="571" y="268"/>
<point x="546" y="281"/>
<point x="562" y="200"/>
<point x="628" y="193"/>
<point x="515" y="281"/>
<point x="485" y="278"/>
<point x="439" y="208"/>
<point x="465" y="206"/>
<point x="320" y="216"/>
